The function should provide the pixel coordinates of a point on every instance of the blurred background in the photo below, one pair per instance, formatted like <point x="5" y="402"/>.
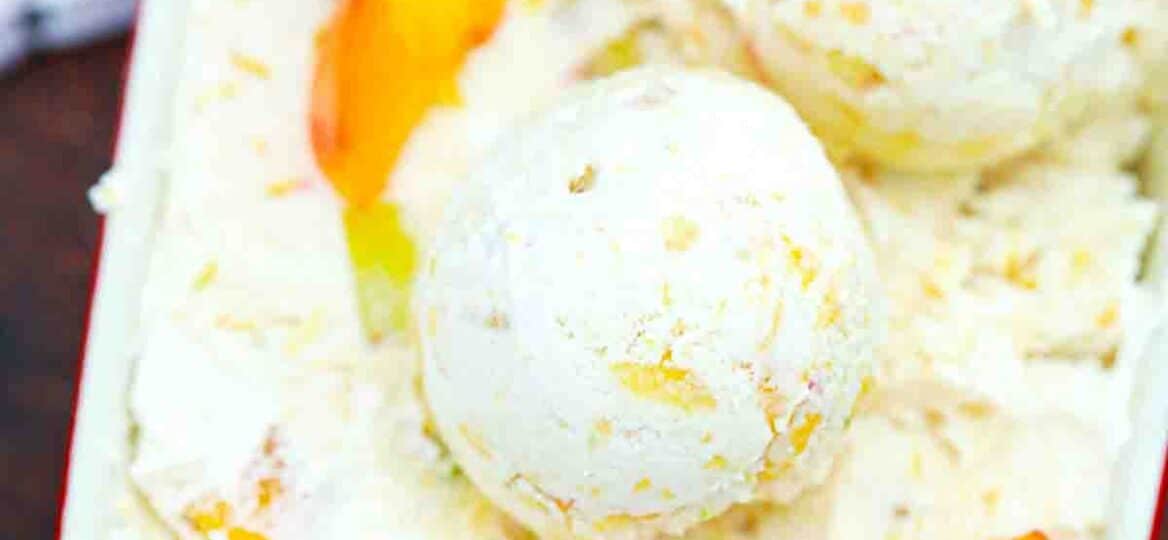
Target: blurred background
<point x="61" y="65"/>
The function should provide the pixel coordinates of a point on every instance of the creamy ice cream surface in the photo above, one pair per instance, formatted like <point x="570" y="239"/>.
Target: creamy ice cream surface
<point x="1000" y="400"/>
<point x="949" y="85"/>
<point x="649" y="303"/>
<point x="259" y="409"/>
<point x="669" y="295"/>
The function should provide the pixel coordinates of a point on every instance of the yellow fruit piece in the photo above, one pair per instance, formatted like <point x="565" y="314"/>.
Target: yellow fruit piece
<point x="1018" y="270"/>
<point x="251" y="65"/>
<point x="931" y="289"/>
<point x="206" y="275"/>
<point x="801" y="435"/>
<point x="867" y="385"/>
<point x="1081" y="260"/>
<point x="1108" y="317"/>
<point x="617" y="522"/>
<point x="680" y="233"/>
<point x="802" y="262"/>
<point x="210" y="517"/>
<point x="1033" y="535"/>
<point x="830" y="312"/>
<point x="1130" y="37"/>
<point x="854" y="71"/>
<point x="382" y="64"/>
<point x="852" y="118"/>
<point x="975" y="409"/>
<point x="978" y="147"/>
<point x="384" y="259"/>
<point x="716" y="463"/>
<point x="221" y="92"/>
<point x="267" y="490"/>
<point x="623" y="52"/>
<point x="282" y="188"/>
<point x="1107" y="360"/>
<point x="239" y="533"/>
<point x="584" y="182"/>
<point x="676" y="387"/>
<point x="990" y="499"/>
<point x="564" y="505"/>
<point x="773" y="471"/>
<point x="856" y="13"/>
<point x="891" y="146"/>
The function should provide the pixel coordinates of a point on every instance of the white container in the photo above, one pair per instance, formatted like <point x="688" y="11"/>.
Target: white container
<point x="100" y="502"/>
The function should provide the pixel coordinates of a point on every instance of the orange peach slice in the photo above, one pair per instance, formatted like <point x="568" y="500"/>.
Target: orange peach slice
<point x="382" y="64"/>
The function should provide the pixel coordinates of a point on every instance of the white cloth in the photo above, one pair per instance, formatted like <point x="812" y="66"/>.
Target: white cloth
<point x="29" y="25"/>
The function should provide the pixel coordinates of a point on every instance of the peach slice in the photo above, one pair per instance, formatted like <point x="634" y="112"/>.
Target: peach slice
<point x="381" y="65"/>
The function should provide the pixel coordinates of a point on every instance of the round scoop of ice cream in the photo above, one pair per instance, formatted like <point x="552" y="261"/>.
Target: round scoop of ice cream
<point x="927" y="85"/>
<point x="650" y="302"/>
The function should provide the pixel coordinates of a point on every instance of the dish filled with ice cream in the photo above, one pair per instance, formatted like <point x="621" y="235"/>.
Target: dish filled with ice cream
<point x="651" y="269"/>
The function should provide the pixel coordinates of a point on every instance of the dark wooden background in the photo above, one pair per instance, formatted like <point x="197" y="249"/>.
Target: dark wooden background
<point x="57" y="122"/>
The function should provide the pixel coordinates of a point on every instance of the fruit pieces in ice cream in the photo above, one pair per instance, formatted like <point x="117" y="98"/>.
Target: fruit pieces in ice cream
<point x="651" y="302"/>
<point x="942" y="86"/>
<point x="381" y="66"/>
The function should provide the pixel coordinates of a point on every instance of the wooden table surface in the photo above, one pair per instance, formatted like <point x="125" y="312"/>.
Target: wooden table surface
<point x="57" y="120"/>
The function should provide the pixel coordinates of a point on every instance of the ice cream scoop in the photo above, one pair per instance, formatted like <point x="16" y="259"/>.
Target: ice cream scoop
<point x="651" y="302"/>
<point x="922" y="85"/>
